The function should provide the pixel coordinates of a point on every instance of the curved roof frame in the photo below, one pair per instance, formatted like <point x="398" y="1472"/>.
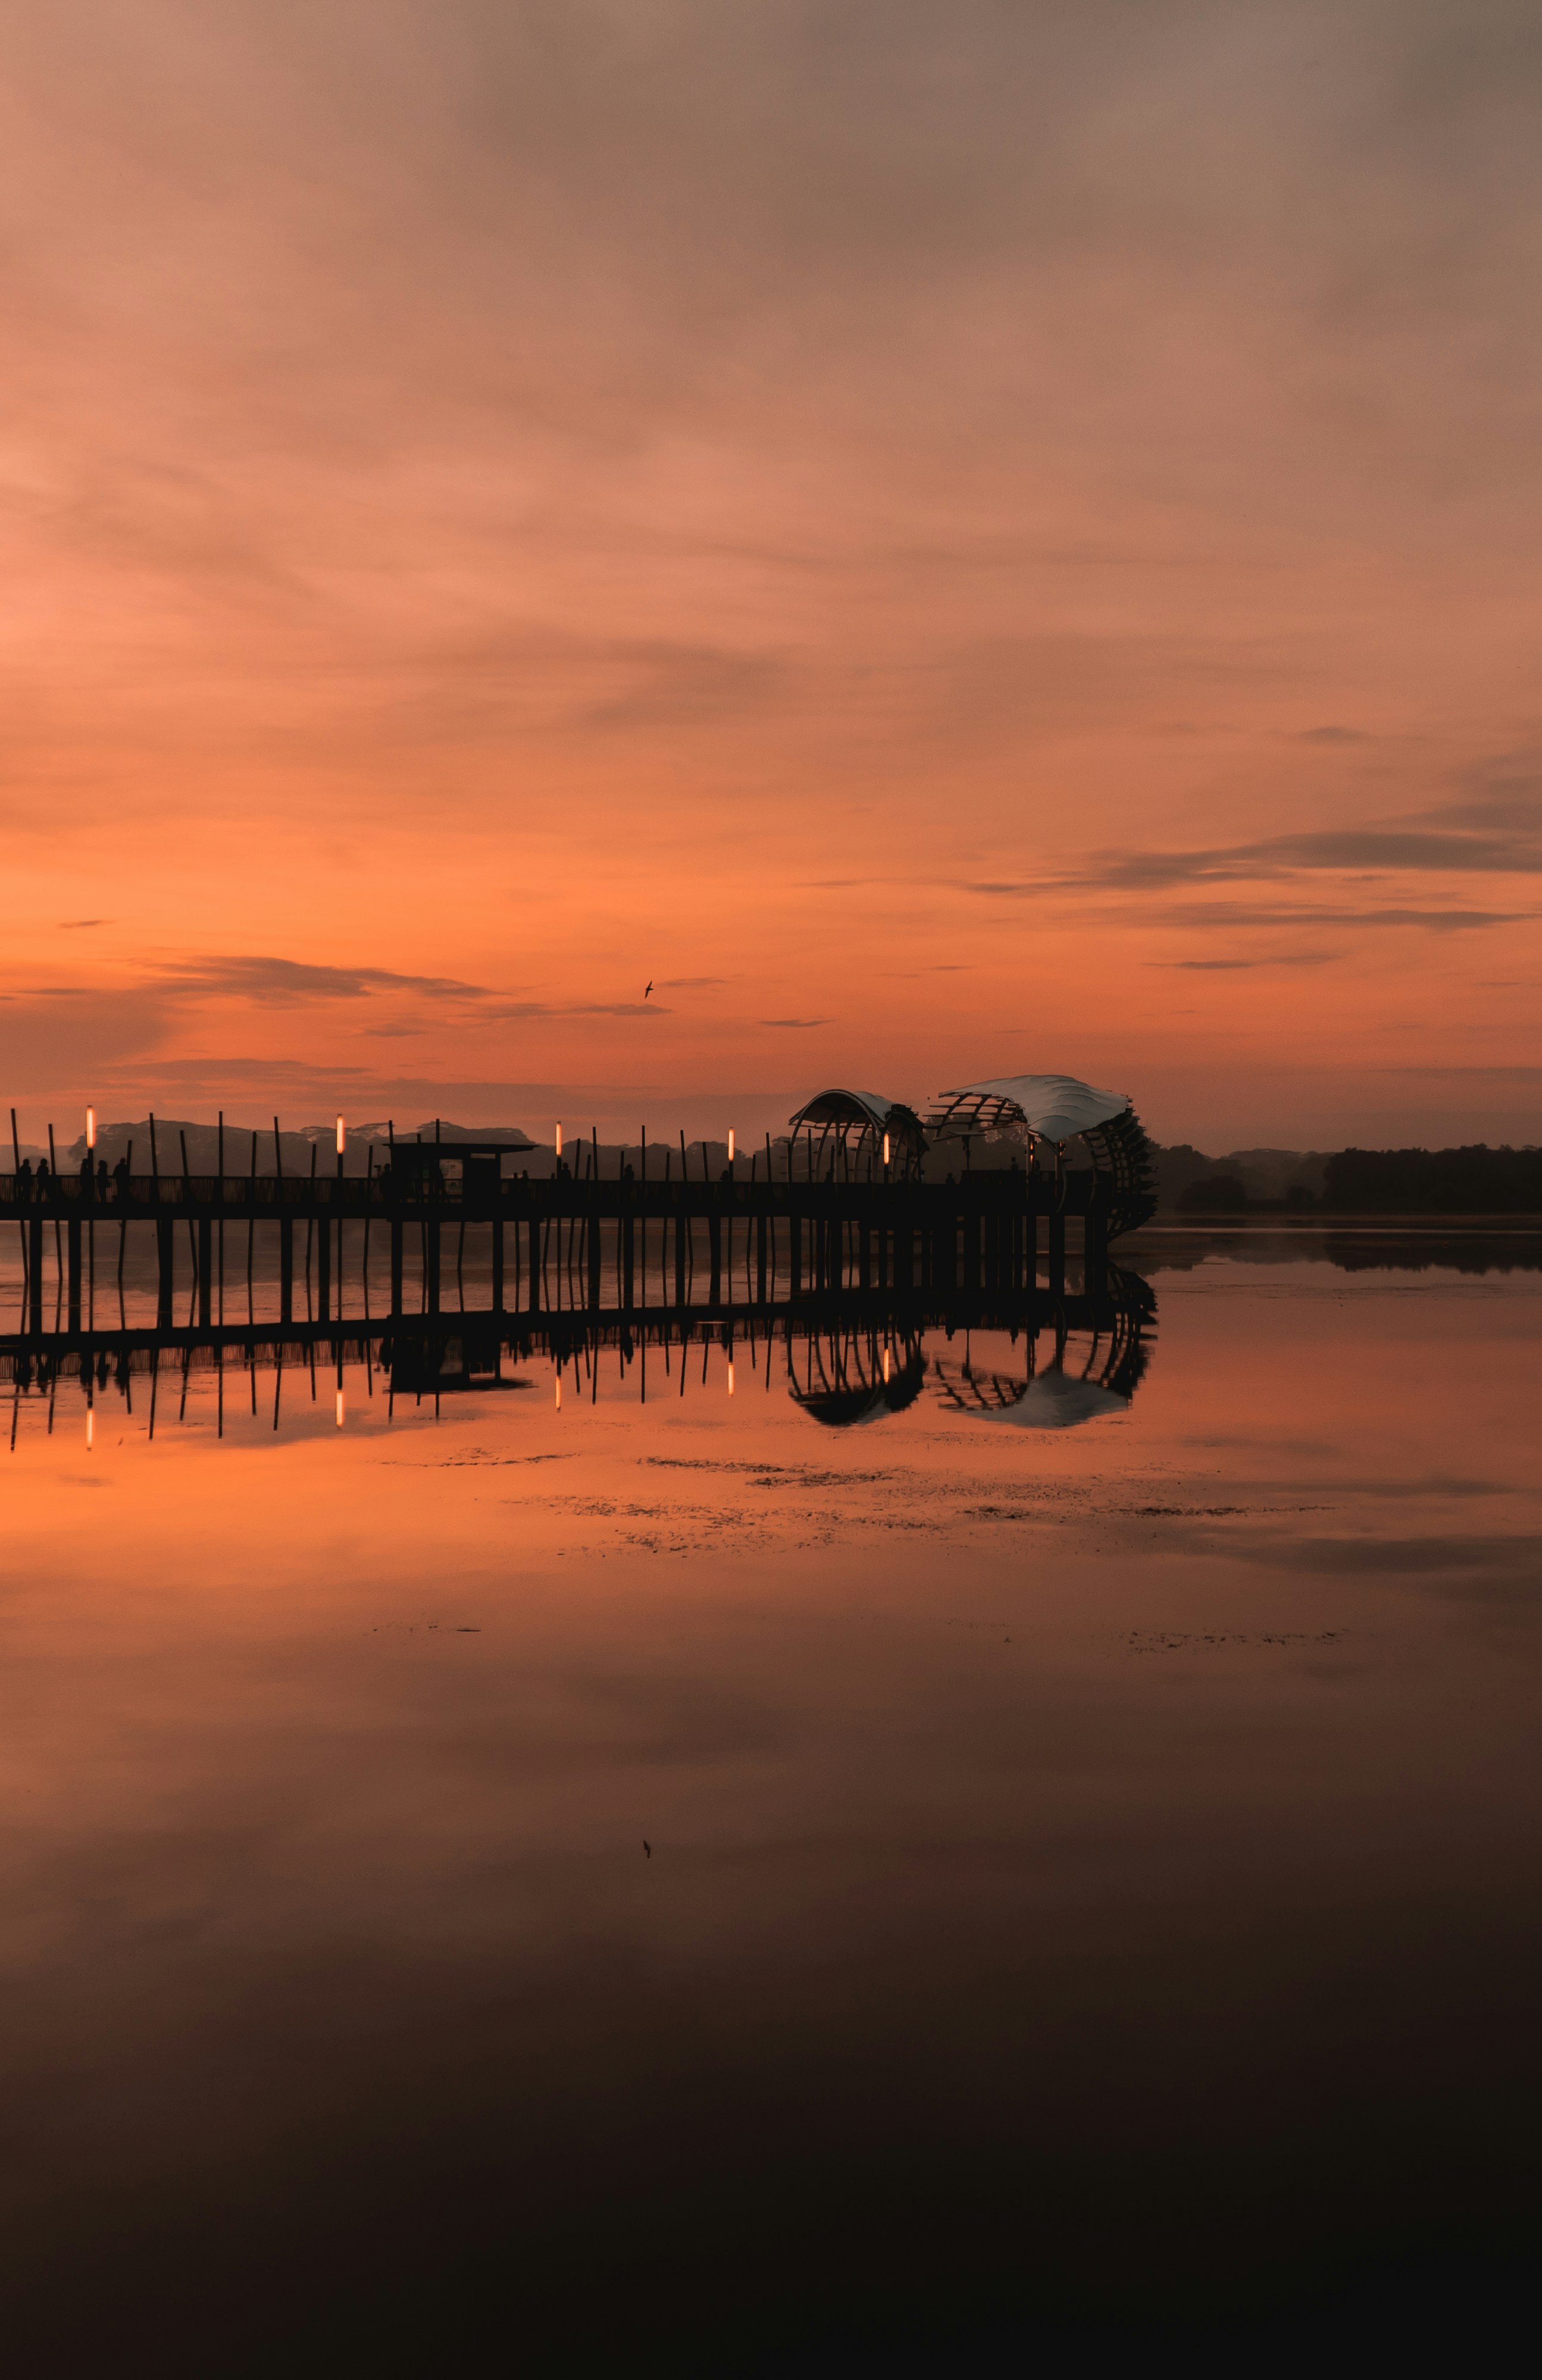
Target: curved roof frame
<point x="1050" y="1107"/>
<point x="867" y="1110"/>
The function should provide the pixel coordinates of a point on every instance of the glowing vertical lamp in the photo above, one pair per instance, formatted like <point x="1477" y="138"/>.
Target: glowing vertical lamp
<point x="729" y="1144"/>
<point x="90" y="1127"/>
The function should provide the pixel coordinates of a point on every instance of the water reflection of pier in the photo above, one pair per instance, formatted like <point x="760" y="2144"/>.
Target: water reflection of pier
<point x="845" y="1356"/>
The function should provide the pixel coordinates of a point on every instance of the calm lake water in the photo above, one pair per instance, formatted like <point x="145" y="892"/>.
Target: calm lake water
<point x="1093" y="1876"/>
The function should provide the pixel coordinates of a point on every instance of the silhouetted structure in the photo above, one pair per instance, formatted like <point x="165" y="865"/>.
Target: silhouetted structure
<point x="845" y="1203"/>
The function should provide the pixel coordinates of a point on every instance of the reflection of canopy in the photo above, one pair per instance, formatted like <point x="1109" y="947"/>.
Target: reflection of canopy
<point x="850" y="1389"/>
<point x="1050" y="1401"/>
<point x="1054" y="1107"/>
<point x="867" y="1110"/>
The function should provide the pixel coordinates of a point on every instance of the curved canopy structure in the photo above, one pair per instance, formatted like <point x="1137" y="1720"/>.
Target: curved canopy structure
<point x="848" y="1120"/>
<point x="867" y="1110"/>
<point x="1053" y="1107"/>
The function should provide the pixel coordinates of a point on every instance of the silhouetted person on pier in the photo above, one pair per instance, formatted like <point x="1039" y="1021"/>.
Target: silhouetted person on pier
<point x="102" y="1177"/>
<point x="120" y="1178"/>
<point x="44" y="1178"/>
<point x="24" y="1179"/>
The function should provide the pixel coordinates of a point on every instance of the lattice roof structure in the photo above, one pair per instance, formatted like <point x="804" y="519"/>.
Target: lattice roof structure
<point x="1055" y="1108"/>
<point x="842" y="1117"/>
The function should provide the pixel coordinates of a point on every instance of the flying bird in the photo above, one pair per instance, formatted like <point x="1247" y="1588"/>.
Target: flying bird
<point x="648" y="1847"/>
<point x="649" y="987"/>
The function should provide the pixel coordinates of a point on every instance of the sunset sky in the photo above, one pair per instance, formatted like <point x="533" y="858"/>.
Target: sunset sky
<point x="953" y="539"/>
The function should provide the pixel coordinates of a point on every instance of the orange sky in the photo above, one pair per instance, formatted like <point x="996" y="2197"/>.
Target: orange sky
<point x="953" y="541"/>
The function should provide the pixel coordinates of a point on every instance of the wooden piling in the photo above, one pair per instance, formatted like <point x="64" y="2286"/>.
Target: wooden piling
<point x="628" y="1245"/>
<point x="1057" y="1253"/>
<point x="166" y="1270"/>
<point x="1095" y="1254"/>
<point x="323" y="1269"/>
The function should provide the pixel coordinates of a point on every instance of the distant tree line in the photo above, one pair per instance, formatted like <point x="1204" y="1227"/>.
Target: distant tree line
<point x="1475" y="1181"/>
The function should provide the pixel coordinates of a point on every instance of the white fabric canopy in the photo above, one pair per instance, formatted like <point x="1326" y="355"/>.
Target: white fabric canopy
<point x="1057" y="1107"/>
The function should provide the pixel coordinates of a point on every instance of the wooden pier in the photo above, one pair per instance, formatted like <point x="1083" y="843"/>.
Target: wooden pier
<point x="552" y="1246"/>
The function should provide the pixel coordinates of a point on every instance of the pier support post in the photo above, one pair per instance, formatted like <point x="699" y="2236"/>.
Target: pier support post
<point x="286" y="1267"/>
<point x="396" y="1265"/>
<point x="1095" y="1256"/>
<point x="165" y="1270"/>
<point x="681" y="1227"/>
<point x="72" y="1234"/>
<point x="323" y="1267"/>
<point x="205" y="1272"/>
<point x="535" y="1265"/>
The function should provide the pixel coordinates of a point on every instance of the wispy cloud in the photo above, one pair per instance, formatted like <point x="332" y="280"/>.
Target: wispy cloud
<point x="515" y="1009"/>
<point x="277" y="982"/>
<point x="1499" y="832"/>
<point x="1227" y="966"/>
<point x="1205" y="916"/>
<point x="796" y="1024"/>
